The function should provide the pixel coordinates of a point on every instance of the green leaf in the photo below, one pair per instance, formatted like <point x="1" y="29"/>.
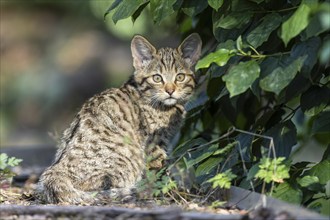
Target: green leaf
<point x="261" y="33"/>
<point x="321" y="170"/>
<point x="318" y="24"/>
<point x="13" y="161"/>
<point x="234" y="20"/>
<point x="321" y="124"/>
<point x="287" y="193"/>
<point x="324" y="51"/>
<point x="309" y="48"/>
<point x="284" y="136"/>
<point x="215" y="4"/>
<point x="113" y="6"/>
<point x="296" y="23"/>
<point x="220" y="57"/>
<point x="207" y="166"/>
<point x="138" y="12"/>
<point x="3" y="161"/>
<point x="272" y="170"/>
<point x="308" y="180"/>
<point x="314" y="100"/>
<point x="257" y="1"/>
<point x="241" y="77"/>
<point x="244" y="142"/>
<point x="193" y="7"/>
<point x="161" y="9"/>
<point x="280" y="77"/>
<point x="239" y="44"/>
<point x="326" y="154"/>
<point x="225" y="149"/>
<point x="252" y="172"/>
<point x="125" y="9"/>
<point x="200" y="156"/>
<point x="182" y="148"/>
<point x="321" y="205"/>
<point x="222" y="180"/>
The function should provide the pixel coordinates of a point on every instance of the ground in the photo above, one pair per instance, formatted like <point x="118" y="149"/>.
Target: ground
<point x="22" y="195"/>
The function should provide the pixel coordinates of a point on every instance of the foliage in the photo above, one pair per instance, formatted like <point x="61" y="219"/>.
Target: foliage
<point x="222" y="180"/>
<point x="272" y="170"/>
<point x="265" y="70"/>
<point x="5" y="164"/>
<point x="156" y="183"/>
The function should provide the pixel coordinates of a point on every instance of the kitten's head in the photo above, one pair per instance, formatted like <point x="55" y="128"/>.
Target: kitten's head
<point x="165" y="77"/>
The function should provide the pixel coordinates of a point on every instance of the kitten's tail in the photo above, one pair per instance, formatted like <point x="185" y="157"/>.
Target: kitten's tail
<point x="59" y="189"/>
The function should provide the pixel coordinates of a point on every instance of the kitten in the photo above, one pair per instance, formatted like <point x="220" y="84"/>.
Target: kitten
<point x="106" y="146"/>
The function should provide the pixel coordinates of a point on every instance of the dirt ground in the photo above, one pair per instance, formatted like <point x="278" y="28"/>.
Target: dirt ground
<point x="22" y="198"/>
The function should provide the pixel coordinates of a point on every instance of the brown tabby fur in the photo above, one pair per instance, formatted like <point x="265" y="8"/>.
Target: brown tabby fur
<point x="104" y="151"/>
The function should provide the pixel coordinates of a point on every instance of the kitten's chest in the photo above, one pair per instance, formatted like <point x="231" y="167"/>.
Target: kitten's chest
<point x="156" y="119"/>
<point x="162" y="122"/>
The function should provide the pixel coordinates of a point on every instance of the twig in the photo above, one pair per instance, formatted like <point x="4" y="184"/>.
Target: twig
<point x="244" y="166"/>
<point x="229" y="132"/>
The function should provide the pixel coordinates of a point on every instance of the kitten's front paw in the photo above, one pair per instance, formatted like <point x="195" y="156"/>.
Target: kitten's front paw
<point x="156" y="164"/>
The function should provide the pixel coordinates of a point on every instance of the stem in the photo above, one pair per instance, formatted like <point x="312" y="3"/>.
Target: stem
<point x="244" y="166"/>
<point x="172" y="197"/>
<point x="229" y="132"/>
<point x="280" y="10"/>
<point x="261" y="56"/>
<point x="291" y="114"/>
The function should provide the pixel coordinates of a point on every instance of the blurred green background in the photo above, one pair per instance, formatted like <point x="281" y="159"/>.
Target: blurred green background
<point x="57" y="54"/>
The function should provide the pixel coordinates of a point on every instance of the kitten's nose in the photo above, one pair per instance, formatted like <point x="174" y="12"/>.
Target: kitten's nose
<point x="169" y="88"/>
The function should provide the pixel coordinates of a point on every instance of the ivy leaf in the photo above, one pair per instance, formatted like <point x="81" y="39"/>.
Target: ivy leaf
<point x="241" y="77"/>
<point x="234" y="20"/>
<point x="318" y="23"/>
<point x="201" y="155"/>
<point x="194" y="7"/>
<point x="161" y="9"/>
<point x="252" y="172"/>
<point x="124" y="9"/>
<point x="112" y="7"/>
<point x="287" y="193"/>
<point x="321" y="170"/>
<point x="261" y="33"/>
<point x="208" y="165"/>
<point x="320" y="205"/>
<point x="308" y="180"/>
<point x="138" y="11"/>
<point x="215" y="4"/>
<point x="284" y="136"/>
<point x="309" y="47"/>
<point x="280" y="77"/>
<point x="257" y="1"/>
<point x="182" y="148"/>
<point x="314" y="100"/>
<point x="244" y="142"/>
<point x="225" y="149"/>
<point x="220" y="57"/>
<point x="296" y="23"/>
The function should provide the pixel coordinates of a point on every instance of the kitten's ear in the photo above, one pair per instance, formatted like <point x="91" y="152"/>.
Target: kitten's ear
<point x="191" y="48"/>
<point x="142" y="51"/>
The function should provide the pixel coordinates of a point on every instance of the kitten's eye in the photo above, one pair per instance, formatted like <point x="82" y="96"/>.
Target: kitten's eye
<point x="157" y="78"/>
<point x="180" y="77"/>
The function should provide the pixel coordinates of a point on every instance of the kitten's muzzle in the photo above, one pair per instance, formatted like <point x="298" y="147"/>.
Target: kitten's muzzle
<point x="170" y="101"/>
<point x="169" y="88"/>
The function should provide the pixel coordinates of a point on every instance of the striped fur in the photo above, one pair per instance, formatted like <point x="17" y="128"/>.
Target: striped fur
<point x="120" y="132"/>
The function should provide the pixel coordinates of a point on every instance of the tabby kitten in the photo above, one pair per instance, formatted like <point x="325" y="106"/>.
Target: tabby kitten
<point x="104" y="151"/>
